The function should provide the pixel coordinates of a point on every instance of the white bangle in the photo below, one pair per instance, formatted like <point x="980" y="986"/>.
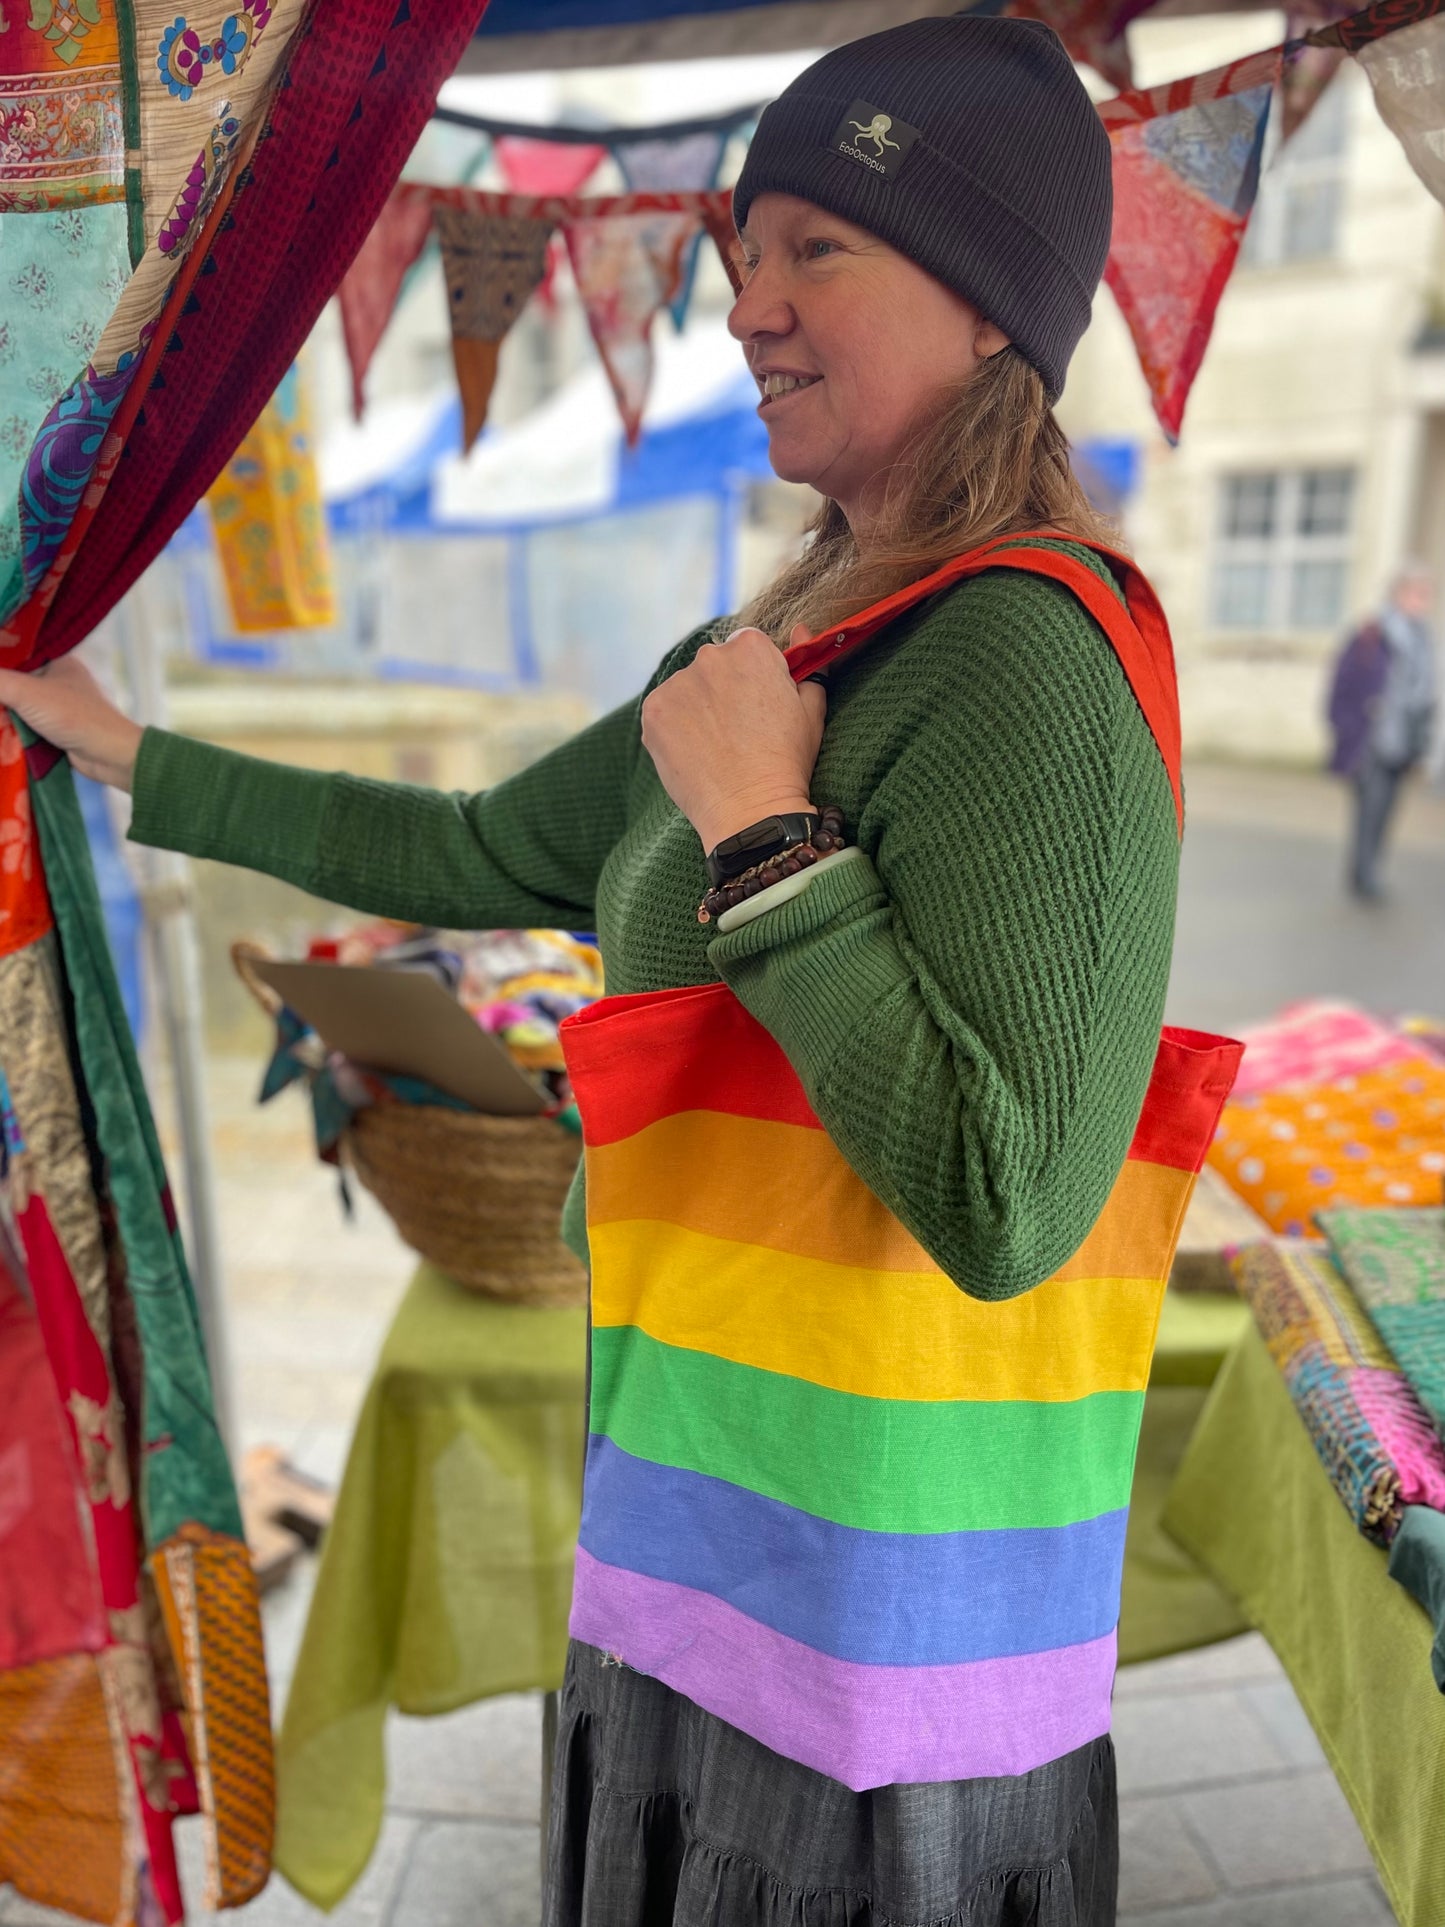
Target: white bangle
<point x="781" y="892"/>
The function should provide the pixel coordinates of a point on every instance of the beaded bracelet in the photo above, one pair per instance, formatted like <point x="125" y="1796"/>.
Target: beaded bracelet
<point x="827" y="838"/>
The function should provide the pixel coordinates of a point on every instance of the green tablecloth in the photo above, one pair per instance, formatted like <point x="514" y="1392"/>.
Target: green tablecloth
<point x="1168" y="1602"/>
<point x="1254" y="1505"/>
<point x="447" y="1572"/>
<point x="446" y="1575"/>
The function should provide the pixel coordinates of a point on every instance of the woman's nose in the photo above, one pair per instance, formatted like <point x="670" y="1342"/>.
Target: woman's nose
<point x="760" y="308"/>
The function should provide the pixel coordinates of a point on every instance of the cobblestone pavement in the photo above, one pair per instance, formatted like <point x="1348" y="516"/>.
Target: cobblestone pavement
<point x="1230" y="1816"/>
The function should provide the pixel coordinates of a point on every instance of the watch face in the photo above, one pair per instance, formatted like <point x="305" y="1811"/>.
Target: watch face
<point x="754" y="837"/>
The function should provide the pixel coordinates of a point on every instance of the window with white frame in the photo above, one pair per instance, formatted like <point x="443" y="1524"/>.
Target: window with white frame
<point x="1282" y="549"/>
<point x="1302" y="192"/>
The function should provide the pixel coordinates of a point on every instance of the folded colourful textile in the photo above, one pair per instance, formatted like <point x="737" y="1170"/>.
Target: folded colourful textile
<point x="1372" y="1137"/>
<point x="1425" y="1033"/>
<point x="1395" y="1263"/>
<point x="1313" y="1042"/>
<point x="1417" y="1561"/>
<point x="1370" y="1431"/>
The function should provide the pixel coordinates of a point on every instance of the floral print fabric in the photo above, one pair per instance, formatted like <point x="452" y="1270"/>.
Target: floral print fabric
<point x="61" y="273"/>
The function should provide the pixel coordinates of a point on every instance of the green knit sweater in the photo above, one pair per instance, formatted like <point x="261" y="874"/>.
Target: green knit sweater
<point x="973" y="1010"/>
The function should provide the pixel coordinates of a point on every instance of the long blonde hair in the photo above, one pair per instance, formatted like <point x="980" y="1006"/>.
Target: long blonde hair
<point x="992" y="462"/>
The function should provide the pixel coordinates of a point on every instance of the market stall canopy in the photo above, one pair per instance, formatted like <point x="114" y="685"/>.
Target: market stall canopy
<point x="518" y="36"/>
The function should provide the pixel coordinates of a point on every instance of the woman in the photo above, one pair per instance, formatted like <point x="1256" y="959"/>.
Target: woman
<point x="966" y="1000"/>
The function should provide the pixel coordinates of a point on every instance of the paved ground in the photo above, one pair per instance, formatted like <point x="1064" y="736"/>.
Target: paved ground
<point x="1230" y="1816"/>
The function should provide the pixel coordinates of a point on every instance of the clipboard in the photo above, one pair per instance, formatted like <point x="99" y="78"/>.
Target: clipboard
<point x="403" y="1021"/>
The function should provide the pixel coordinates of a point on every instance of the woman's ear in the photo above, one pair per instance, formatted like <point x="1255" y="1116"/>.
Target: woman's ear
<point x="989" y="339"/>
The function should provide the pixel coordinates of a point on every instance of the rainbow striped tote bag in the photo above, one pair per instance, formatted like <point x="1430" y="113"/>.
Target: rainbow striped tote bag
<point x="872" y="1522"/>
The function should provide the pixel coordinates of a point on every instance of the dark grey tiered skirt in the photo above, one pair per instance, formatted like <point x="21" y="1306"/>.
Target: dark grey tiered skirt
<point x="664" y="1816"/>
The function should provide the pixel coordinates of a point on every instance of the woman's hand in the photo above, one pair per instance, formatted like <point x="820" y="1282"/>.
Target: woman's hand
<point x="64" y="703"/>
<point x="733" y="736"/>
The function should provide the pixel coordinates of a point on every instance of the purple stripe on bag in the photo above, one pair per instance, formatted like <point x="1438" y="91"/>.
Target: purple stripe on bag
<point x="866" y="1726"/>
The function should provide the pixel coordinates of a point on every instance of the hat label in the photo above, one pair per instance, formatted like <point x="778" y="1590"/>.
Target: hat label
<point x="873" y="139"/>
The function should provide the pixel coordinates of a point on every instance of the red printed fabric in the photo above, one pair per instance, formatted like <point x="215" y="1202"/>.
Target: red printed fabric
<point x="153" y="1741"/>
<point x="361" y="82"/>
<point x="40" y="1530"/>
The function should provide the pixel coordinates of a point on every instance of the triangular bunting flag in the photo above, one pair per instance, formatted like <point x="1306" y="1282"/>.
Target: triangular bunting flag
<point x="546" y="167"/>
<point x="492" y="262"/>
<point x="1407" y="72"/>
<point x="370" y="286"/>
<point x="1184" y="183"/>
<point x="669" y="166"/>
<point x="627" y="267"/>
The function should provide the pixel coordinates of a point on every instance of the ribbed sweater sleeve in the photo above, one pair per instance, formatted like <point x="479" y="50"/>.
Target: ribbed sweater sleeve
<point x="973" y="1005"/>
<point x="525" y="852"/>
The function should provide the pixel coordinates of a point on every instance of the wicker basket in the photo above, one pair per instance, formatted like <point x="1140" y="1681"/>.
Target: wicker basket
<point x="479" y="1197"/>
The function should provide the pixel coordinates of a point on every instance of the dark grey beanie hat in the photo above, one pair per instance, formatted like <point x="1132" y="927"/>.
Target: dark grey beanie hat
<point x="969" y="144"/>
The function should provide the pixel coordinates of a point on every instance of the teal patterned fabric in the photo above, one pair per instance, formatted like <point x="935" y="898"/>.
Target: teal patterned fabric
<point x="61" y="274"/>
<point x="1394" y="1258"/>
<point x="186" y="1476"/>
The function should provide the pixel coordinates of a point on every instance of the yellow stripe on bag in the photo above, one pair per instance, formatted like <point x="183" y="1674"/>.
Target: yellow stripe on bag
<point x="789" y="1189"/>
<point x="878" y="1334"/>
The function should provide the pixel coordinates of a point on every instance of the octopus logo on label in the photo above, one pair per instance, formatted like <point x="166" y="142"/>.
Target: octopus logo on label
<point x="876" y="131"/>
<point x="875" y="140"/>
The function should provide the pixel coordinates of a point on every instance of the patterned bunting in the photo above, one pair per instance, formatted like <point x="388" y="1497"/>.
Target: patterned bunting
<point x="1186" y="170"/>
<point x="372" y="284"/>
<point x="1187" y="158"/>
<point x="626" y="268"/>
<point x="653" y="166"/>
<point x="492" y="263"/>
<point x="1407" y="72"/>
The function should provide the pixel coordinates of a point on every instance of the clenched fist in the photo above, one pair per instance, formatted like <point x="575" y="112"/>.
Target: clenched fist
<point x="66" y="705"/>
<point x="733" y="737"/>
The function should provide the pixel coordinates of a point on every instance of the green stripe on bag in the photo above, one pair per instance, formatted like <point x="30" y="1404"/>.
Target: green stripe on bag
<point x="885" y="1465"/>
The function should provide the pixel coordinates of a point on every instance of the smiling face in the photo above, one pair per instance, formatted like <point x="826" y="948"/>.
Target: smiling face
<point x="850" y="342"/>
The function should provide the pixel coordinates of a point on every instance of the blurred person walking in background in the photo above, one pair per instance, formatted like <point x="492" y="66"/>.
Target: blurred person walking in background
<point x="1381" y="710"/>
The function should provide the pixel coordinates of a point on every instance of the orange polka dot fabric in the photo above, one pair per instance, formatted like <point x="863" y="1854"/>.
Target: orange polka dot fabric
<point x="1376" y="1137"/>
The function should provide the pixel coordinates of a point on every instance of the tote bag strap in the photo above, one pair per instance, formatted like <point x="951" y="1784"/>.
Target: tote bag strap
<point x="1136" y="628"/>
